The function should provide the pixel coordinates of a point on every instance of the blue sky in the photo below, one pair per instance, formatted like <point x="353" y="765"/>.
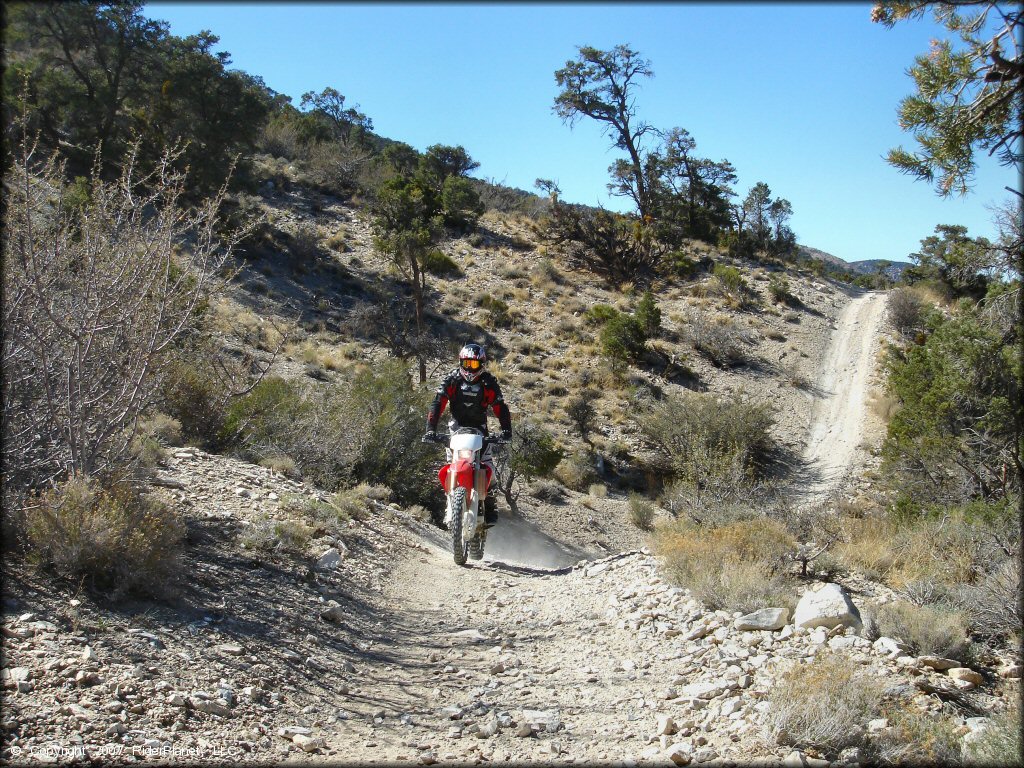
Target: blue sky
<point x="802" y="96"/>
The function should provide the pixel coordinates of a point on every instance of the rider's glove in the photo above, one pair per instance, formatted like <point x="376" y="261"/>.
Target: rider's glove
<point x="506" y="435"/>
<point x="430" y="437"/>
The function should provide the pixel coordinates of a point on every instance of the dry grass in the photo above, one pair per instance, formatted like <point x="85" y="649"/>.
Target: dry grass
<point x="884" y="406"/>
<point x="738" y="566"/>
<point x="917" y="738"/>
<point x="926" y="630"/>
<point x="823" y="705"/>
<point x="318" y="353"/>
<point x="233" y="320"/>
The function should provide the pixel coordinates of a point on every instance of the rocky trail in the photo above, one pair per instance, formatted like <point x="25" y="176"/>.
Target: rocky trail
<point x="376" y="648"/>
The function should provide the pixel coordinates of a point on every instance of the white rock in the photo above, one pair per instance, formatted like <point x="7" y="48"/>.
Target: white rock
<point x="213" y="707"/>
<point x="765" y="619"/>
<point x="666" y="726"/>
<point x="889" y="646"/>
<point x="487" y="728"/>
<point x="731" y="706"/>
<point x="1011" y="671"/>
<point x="333" y="612"/>
<point x="290" y="731"/>
<point x="938" y="663"/>
<point x="542" y="719"/>
<point x="829" y="606"/>
<point x="880" y="724"/>
<point x="329" y="559"/>
<point x="965" y="674"/>
<point x="308" y="743"/>
<point x="680" y="754"/>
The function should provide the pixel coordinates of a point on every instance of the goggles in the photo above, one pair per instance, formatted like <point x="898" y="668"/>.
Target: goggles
<point x="469" y="364"/>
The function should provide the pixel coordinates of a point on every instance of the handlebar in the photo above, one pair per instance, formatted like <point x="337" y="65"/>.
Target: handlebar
<point x="443" y="437"/>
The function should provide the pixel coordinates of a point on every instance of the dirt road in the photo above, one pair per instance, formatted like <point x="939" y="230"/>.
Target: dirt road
<point x="841" y="396"/>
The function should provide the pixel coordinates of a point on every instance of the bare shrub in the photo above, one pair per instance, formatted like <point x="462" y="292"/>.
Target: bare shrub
<point x="719" y="339"/>
<point x="739" y="566"/>
<point x="305" y="246"/>
<point x="112" y="536"/>
<point x="993" y="606"/>
<point x="905" y="311"/>
<point x="823" y="705"/>
<point x="163" y="428"/>
<point x="704" y="437"/>
<point x="97" y="293"/>
<point x="925" y="630"/>
<point x="335" y="168"/>
<point x="280" y="138"/>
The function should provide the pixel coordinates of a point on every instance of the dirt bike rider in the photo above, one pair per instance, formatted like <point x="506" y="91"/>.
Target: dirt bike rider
<point x="469" y="390"/>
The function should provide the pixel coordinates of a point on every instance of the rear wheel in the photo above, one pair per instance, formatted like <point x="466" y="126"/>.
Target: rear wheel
<point x="458" y="504"/>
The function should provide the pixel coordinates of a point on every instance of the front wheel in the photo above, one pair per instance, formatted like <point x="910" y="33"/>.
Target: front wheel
<point x="458" y="507"/>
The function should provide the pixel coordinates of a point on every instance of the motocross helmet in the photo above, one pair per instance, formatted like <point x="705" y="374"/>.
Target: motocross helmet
<point x="472" y="359"/>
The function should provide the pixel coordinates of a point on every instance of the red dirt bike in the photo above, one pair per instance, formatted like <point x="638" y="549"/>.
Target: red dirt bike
<point x="466" y="480"/>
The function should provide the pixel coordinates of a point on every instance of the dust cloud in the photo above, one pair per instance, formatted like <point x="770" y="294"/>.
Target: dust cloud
<point x="516" y="540"/>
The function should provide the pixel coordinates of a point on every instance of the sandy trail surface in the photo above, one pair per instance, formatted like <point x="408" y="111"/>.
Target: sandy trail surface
<point x="839" y="413"/>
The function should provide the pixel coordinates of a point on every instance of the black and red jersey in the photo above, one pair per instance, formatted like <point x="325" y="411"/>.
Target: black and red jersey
<point x="469" y="401"/>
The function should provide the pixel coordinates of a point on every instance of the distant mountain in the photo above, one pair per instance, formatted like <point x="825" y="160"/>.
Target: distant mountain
<point x="893" y="269"/>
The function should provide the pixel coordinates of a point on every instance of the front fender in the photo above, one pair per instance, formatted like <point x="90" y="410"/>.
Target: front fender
<point x="459" y="472"/>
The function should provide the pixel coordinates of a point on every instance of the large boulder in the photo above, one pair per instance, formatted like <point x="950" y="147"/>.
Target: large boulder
<point x="829" y="606"/>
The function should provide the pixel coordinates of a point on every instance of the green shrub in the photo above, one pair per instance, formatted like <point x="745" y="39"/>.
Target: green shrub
<point x="498" y="315"/>
<point x="740" y="566"/>
<point x="441" y="264"/>
<point x="195" y="398"/>
<point x="623" y="338"/>
<point x="460" y="203"/>
<point x="641" y="512"/>
<point x="599" y="314"/>
<point x="264" y="414"/>
<point x="823" y="705"/>
<point x="778" y="289"/>
<point x="111" y="535"/>
<point x="731" y="278"/>
<point x="678" y="264"/>
<point x="648" y="315"/>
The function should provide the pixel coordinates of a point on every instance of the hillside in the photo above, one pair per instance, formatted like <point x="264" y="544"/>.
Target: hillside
<point x="892" y="269"/>
<point x="354" y="638"/>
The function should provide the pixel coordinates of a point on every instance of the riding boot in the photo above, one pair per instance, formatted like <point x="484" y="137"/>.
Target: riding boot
<point x="490" y="511"/>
